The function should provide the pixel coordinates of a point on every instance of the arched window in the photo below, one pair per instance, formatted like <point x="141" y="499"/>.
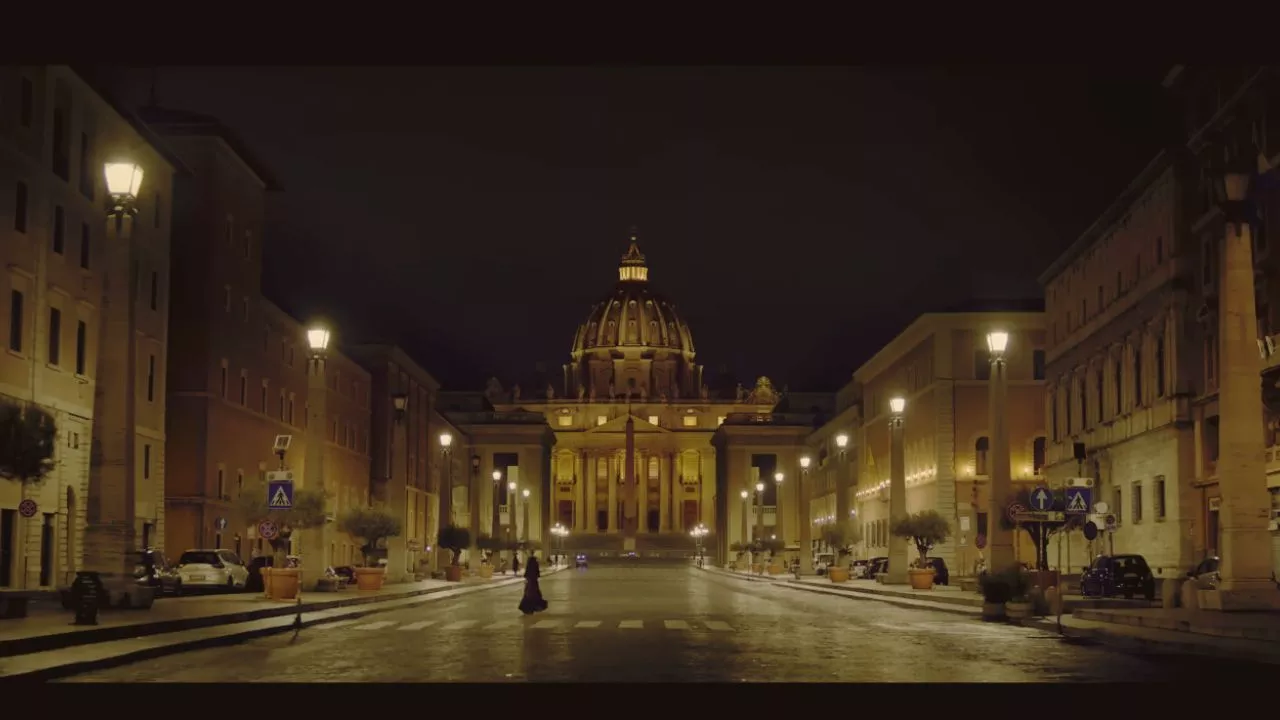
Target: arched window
<point x="980" y="451"/>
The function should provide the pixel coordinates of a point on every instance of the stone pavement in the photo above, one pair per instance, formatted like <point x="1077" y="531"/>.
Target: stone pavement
<point x="48" y="644"/>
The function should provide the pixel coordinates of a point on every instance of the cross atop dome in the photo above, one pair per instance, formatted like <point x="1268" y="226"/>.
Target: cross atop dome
<point x="633" y="268"/>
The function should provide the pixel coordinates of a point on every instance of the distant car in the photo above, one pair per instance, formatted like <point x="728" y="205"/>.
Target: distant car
<point x="1112" y="575"/>
<point x="875" y="566"/>
<point x="346" y="572"/>
<point x="1205" y="576"/>
<point x="859" y="568"/>
<point x="580" y="561"/>
<point x="941" y="576"/>
<point x="154" y="571"/>
<point x="212" y="569"/>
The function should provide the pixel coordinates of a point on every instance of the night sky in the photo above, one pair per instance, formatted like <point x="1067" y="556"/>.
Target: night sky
<point x="798" y="217"/>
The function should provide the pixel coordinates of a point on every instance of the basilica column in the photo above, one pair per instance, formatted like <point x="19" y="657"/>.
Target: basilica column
<point x="664" y="492"/>
<point x="612" y="481"/>
<point x="593" y="487"/>
<point x="580" y="493"/>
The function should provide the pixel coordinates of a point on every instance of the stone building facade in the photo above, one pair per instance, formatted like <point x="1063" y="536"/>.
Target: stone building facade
<point x="56" y="133"/>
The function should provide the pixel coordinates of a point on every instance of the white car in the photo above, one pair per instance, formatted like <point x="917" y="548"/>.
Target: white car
<point x="212" y="569"/>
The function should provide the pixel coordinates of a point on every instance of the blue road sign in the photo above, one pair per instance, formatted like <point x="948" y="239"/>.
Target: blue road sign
<point x="1090" y="530"/>
<point x="1041" y="499"/>
<point x="280" y="494"/>
<point x="1078" y="500"/>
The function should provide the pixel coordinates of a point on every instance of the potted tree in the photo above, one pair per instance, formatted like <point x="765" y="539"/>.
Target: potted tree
<point x="774" y="546"/>
<point x="278" y="581"/>
<point x="455" y="539"/>
<point x="925" y="529"/>
<point x="372" y="525"/>
<point x="1019" y="605"/>
<point x="995" y="593"/>
<point x="756" y="548"/>
<point x="737" y="548"/>
<point x="834" y="537"/>
<point x="491" y="546"/>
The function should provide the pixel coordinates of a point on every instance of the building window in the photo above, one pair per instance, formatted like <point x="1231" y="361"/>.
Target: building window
<point x="55" y="336"/>
<point x="1158" y="498"/>
<point x="239" y="481"/>
<point x="291" y="399"/>
<point x="155" y="290"/>
<point x="15" y="321"/>
<point x="1117" y="367"/>
<point x="84" y="245"/>
<point x="1160" y="389"/>
<point x="282" y="414"/>
<point x="980" y="453"/>
<point x="1210" y="358"/>
<point x="146" y="462"/>
<point x="981" y="365"/>
<point x="1137" y="502"/>
<point x="1037" y="364"/>
<point x="601" y="419"/>
<point x="59" y="229"/>
<point x="244" y="387"/>
<point x="1117" y="497"/>
<point x="265" y="407"/>
<point x="222" y="483"/>
<point x="1098" y="377"/>
<point x="222" y="385"/>
<point x="1037" y="455"/>
<point x="86" y="177"/>
<point x="690" y="420"/>
<point x="1066" y="406"/>
<point x="565" y="420"/>
<point x="151" y="378"/>
<point x="82" y="332"/>
<point x="20" y="207"/>
<point x="1084" y="400"/>
<point x="1137" y="375"/>
<point x="1053" y="414"/>
<point x="61" y="151"/>
<point x="28" y="102"/>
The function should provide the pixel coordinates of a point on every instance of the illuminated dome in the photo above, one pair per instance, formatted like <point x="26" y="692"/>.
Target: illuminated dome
<point x="633" y="338"/>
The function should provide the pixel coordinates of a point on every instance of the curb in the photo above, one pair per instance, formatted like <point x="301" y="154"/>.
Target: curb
<point x="273" y="625"/>
<point x="1136" y="643"/>
<point x="910" y="603"/>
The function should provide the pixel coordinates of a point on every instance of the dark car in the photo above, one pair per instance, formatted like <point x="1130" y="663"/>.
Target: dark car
<point x="154" y="571"/>
<point x="941" y="576"/>
<point x="875" y="566"/>
<point x="254" y="583"/>
<point x="1205" y="576"/>
<point x="346" y="572"/>
<point x="1112" y="575"/>
<point x="580" y="561"/>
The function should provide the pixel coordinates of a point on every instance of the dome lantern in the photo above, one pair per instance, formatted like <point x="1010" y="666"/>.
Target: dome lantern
<point x="632" y="268"/>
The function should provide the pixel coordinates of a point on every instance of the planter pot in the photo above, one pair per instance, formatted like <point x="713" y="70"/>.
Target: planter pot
<point x="992" y="612"/>
<point x="757" y="568"/>
<point x="370" y="578"/>
<point x="486" y="571"/>
<point x="453" y="573"/>
<point x="838" y="574"/>
<point x="921" y="579"/>
<point x="1018" y="611"/>
<point x="776" y="569"/>
<point x="282" y="583"/>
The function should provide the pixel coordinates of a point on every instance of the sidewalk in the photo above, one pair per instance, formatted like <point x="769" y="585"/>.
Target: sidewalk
<point x="1150" y="639"/>
<point x="47" y="644"/>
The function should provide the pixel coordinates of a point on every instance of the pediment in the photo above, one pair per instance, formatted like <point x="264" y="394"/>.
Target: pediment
<point x="619" y="425"/>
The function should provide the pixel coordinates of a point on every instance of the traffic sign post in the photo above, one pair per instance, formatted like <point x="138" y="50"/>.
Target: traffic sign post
<point x="280" y="491"/>
<point x="1041" y="498"/>
<point x="1077" y="500"/>
<point x="27" y="508"/>
<point x="268" y="530"/>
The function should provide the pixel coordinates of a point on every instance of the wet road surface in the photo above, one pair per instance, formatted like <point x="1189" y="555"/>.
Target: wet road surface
<point x="664" y="623"/>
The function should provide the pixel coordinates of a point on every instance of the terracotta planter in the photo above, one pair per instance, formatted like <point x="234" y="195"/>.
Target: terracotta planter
<point x="838" y="574"/>
<point x="776" y="569"/>
<point x="453" y="573"/>
<point x="282" y="583"/>
<point x="921" y="579"/>
<point x="486" y="571"/>
<point x="370" y="578"/>
<point x="757" y="568"/>
<point x="992" y="612"/>
<point x="1018" y="611"/>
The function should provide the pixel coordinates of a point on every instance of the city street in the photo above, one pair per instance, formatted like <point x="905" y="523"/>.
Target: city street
<point x="664" y="623"/>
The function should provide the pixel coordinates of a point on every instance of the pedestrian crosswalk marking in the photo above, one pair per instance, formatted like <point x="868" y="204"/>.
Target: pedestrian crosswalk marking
<point x="547" y="624"/>
<point x="588" y="624"/>
<point x="718" y="625"/>
<point x="676" y="624"/>
<point x="376" y="625"/>
<point x="631" y="624"/>
<point x="691" y="625"/>
<point x="332" y="625"/>
<point x="460" y="625"/>
<point x="418" y="625"/>
<point x="501" y="625"/>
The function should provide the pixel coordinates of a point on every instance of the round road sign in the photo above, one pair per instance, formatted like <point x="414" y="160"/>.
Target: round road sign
<point x="1101" y="507"/>
<point x="1013" y="510"/>
<point x="267" y="530"/>
<point x="1111" y="522"/>
<point x="27" y="508"/>
<point x="1090" y="530"/>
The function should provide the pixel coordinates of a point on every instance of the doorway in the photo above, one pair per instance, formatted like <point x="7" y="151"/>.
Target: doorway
<point x="690" y="515"/>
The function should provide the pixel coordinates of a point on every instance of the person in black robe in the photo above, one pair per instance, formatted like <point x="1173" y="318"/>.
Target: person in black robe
<point x="532" y="601"/>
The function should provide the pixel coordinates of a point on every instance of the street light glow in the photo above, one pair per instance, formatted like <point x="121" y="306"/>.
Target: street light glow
<point x="446" y="440"/>
<point x="510" y="486"/>
<point x="318" y="338"/>
<point x="497" y="475"/>
<point x="842" y="440"/>
<point x="525" y="492"/>
<point x="759" y="487"/>
<point x="897" y="405"/>
<point x="804" y="461"/>
<point x="124" y="179"/>
<point x="777" y="477"/>
<point x="744" y="494"/>
<point x="997" y="342"/>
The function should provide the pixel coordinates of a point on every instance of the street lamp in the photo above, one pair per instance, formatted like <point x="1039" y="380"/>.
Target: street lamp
<point x="897" y="489"/>
<point x="746" y="526"/>
<point x="124" y="180"/>
<point x="525" y="507"/>
<point x="318" y="337"/>
<point x="842" y="440"/>
<point x="804" y="462"/>
<point x="999" y="541"/>
<point x="497" y="520"/>
<point x="446" y="445"/>
<point x="760" y="510"/>
<point x="777" y="506"/>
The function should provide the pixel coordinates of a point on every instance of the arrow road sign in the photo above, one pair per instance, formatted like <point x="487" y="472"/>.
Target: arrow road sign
<point x="1041" y="499"/>
<point x="1078" y="500"/>
<point x="280" y="494"/>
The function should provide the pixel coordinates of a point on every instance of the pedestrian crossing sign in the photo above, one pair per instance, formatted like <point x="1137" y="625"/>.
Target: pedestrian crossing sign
<point x="1078" y="500"/>
<point x="280" y="494"/>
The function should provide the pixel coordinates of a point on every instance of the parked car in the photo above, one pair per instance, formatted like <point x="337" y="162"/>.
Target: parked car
<point x="875" y="566"/>
<point x="1205" y="576"/>
<point x="212" y="569"/>
<point x="154" y="571"/>
<point x="580" y="561"/>
<point x="941" y="576"/>
<point x="858" y="568"/>
<point x="1112" y="575"/>
<point x="346" y="572"/>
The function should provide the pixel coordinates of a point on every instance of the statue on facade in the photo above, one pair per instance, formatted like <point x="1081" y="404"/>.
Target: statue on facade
<point x="613" y="392"/>
<point x="551" y="392"/>
<point x="582" y="392"/>
<point x="740" y="393"/>
<point x="705" y="392"/>
<point x="493" y="391"/>
<point x="515" y="393"/>
<point x="763" y="393"/>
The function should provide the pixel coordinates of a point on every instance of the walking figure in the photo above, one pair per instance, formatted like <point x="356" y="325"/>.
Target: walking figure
<point x="532" y="601"/>
<point x="515" y="564"/>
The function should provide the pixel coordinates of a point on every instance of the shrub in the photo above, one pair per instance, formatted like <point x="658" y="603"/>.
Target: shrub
<point x="926" y="529"/>
<point x="454" y="539"/>
<point x="372" y="525"/>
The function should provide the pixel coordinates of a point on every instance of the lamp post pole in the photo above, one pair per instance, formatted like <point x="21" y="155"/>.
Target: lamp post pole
<point x="999" y="540"/>
<point x="897" y="572"/>
<point x="760" y="511"/>
<point x="779" y="523"/>
<point x="112" y="503"/>
<point x="313" y="551"/>
<point x="495" y="523"/>
<point x="806" y="526"/>
<point x="446" y="497"/>
<point x="513" y="504"/>
<point x="746" y="526"/>
<point x="524" y="507"/>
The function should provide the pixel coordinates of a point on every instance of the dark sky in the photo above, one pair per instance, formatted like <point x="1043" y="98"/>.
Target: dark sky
<point x="799" y="217"/>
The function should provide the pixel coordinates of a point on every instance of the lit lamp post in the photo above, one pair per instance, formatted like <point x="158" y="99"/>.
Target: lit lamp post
<point x="111" y="533"/>
<point x="446" y="449"/>
<point x="897" y="573"/>
<point x="512" y="500"/>
<point x="760" y="511"/>
<point x="746" y="526"/>
<point x="842" y="476"/>
<point x="1245" y="569"/>
<point x="806" y="526"/>
<point x="779" y="527"/>
<point x="560" y="532"/>
<point x="318" y="337"/>
<point x="401" y="559"/>
<point x="524" y="520"/>
<point x="999" y="541"/>
<point x="698" y="533"/>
